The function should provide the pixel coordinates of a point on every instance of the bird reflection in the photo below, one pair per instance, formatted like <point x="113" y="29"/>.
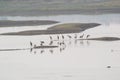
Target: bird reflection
<point x="31" y="44"/>
<point x="60" y="49"/>
<point x="34" y="52"/>
<point x="63" y="37"/>
<point x="51" y="51"/>
<point x="70" y="43"/>
<point x="50" y="37"/>
<point x="88" y="43"/>
<point x="81" y="42"/>
<point x="75" y="41"/>
<point x="31" y="49"/>
<point x="34" y="46"/>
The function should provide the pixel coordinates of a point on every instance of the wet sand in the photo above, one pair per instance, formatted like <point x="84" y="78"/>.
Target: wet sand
<point x="58" y="29"/>
<point x="9" y="23"/>
<point x="106" y="39"/>
<point x="103" y="39"/>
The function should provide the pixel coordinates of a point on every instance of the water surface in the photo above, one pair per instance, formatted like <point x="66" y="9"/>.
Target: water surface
<point x="73" y="60"/>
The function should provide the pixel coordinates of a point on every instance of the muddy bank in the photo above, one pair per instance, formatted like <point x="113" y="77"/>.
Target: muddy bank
<point x="9" y="23"/>
<point x="58" y="29"/>
<point x="103" y="39"/>
<point x="74" y="26"/>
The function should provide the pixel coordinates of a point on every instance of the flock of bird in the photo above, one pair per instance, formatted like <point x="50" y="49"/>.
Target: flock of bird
<point x="60" y="41"/>
<point x="58" y="38"/>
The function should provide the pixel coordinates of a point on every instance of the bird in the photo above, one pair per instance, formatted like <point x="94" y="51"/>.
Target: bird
<point x="58" y="37"/>
<point x="62" y="37"/>
<point x="81" y="36"/>
<point x="87" y="36"/>
<point x="50" y="37"/>
<point x="69" y="36"/>
<point x="51" y="42"/>
<point x="75" y="36"/>
<point x="31" y="44"/>
<point x="41" y="43"/>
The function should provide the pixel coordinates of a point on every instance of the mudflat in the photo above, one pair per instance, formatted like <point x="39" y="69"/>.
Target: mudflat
<point x="57" y="29"/>
<point x="10" y="23"/>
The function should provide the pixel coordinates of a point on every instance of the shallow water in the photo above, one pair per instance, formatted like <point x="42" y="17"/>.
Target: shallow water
<point x="73" y="60"/>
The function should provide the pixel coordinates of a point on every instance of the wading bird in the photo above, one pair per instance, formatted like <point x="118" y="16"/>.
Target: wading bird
<point x="87" y="36"/>
<point x="69" y="36"/>
<point x="31" y="44"/>
<point x="51" y="42"/>
<point x="41" y="43"/>
<point x="63" y="37"/>
<point x="50" y="37"/>
<point x="58" y="37"/>
<point x="81" y="36"/>
<point x="75" y="36"/>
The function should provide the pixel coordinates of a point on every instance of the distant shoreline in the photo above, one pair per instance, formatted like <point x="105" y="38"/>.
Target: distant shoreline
<point x="60" y="12"/>
<point x="10" y="23"/>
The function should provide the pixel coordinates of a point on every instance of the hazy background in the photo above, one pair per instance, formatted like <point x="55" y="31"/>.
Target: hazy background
<point x="53" y="7"/>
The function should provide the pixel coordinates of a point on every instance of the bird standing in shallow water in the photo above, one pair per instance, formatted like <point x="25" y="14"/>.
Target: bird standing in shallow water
<point x="87" y="36"/>
<point x="50" y="37"/>
<point x="81" y="36"/>
<point x="31" y="44"/>
<point x="75" y="36"/>
<point x="58" y="37"/>
<point x="63" y="37"/>
<point x="69" y="36"/>
<point x="41" y="43"/>
<point x="35" y="46"/>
